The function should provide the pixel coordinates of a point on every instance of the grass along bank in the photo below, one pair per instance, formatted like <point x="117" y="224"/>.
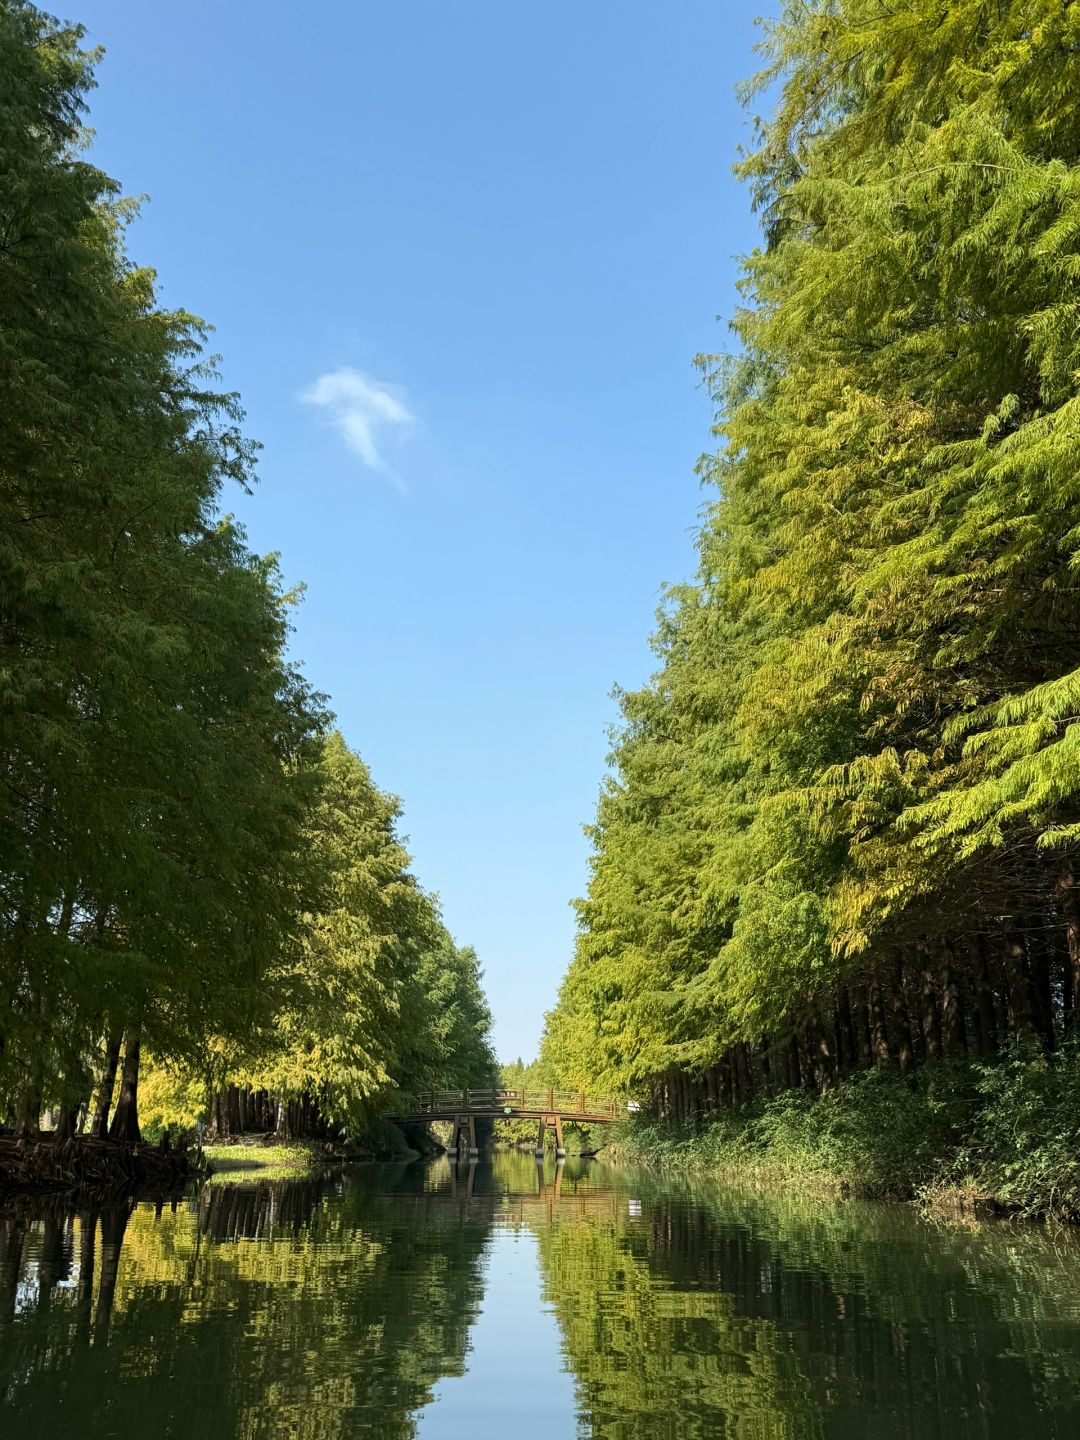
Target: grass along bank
<point x="995" y="1136"/>
<point x="257" y="1157"/>
<point x="264" y="1162"/>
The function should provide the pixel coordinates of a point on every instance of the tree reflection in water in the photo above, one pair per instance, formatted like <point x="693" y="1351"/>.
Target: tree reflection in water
<point x="330" y="1308"/>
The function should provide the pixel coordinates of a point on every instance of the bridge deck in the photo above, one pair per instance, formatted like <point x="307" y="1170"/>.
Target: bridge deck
<point x="512" y="1105"/>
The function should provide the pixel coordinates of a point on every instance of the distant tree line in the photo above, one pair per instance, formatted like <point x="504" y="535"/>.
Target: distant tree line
<point x="193" y="866"/>
<point x="843" y="819"/>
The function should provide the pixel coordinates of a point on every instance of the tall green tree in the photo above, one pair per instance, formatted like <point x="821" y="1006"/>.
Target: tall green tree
<point x="842" y="820"/>
<point x="377" y="1002"/>
<point x="155" y="743"/>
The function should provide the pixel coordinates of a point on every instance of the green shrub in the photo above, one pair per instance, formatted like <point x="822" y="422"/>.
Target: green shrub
<point x="1007" y="1130"/>
<point x="1025" y="1147"/>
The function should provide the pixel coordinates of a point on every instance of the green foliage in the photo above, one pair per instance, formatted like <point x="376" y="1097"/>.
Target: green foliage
<point x="1006" y="1133"/>
<point x="185" y="859"/>
<point x="156" y="745"/>
<point x="855" y="770"/>
<point x="376" y="1004"/>
<point x="380" y="1001"/>
<point x="518" y="1076"/>
<point x="1025" y="1148"/>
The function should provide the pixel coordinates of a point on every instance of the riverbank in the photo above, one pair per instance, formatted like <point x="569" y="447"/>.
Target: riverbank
<point x="84" y="1164"/>
<point x="262" y="1156"/>
<point x="1001" y="1137"/>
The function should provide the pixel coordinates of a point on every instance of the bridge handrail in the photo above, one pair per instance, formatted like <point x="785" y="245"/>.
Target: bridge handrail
<point x="565" y="1102"/>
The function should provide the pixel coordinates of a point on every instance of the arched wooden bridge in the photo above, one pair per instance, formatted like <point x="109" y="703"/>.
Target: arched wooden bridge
<point x="549" y="1108"/>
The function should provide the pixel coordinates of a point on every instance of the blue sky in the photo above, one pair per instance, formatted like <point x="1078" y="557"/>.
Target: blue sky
<point x="458" y="259"/>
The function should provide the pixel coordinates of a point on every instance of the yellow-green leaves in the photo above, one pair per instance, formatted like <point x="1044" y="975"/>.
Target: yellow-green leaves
<point x="864" y="730"/>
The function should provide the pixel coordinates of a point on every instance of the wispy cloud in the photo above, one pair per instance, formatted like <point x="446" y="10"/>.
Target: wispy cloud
<point x="362" y="409"/>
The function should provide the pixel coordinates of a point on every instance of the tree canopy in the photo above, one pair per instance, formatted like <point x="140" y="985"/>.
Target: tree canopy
<point x="842" y="818"/>
<point x="188" y="862"/>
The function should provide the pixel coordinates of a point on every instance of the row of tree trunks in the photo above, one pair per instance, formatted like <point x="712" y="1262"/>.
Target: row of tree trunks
<point x="238" y="1110"/>
<point x="941" y="999"/>
<point x="77" y="1114"/>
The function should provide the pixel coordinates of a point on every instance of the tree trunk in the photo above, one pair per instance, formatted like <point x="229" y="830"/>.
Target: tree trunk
<point x="1019" y="988"/>
<point x="953" y="1029"/>
<point x="282" y="1127"/>
<point x="99" y="1128"/>
<point x="28" y="1111"/>
<point x="847" y="1053"/>
<point x="1041" y="989"/>
<point x="931" y="1017"/>
<point x="125" y="1121"/>
<point x="863" y="1033"/>
<point x="727" y="1080"/>
<point x="742" y="1070"/>
<point x="824" y="1060"/>
<point x="878" y="1036"/>
<point x="68" y="1121"/>
<point x="1068" y="999"/>
<point x="984" y="1001"/>
<point x="794" y="1070"/>
<point x="905" y="1050"/>
<point x="808" y="1057"/>
<point x="1068" y="898"/>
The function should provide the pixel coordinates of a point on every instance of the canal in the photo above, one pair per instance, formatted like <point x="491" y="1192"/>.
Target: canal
<point x="503" y="1300"/>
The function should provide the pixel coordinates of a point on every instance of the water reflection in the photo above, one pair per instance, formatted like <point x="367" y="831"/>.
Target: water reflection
<point x="291" y="1309"/>
<point x="339" y="1307"/>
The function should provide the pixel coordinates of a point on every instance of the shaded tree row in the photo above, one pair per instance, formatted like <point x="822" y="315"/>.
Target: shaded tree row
<point x="843" y="819"/>
<point x="192" y="868"/>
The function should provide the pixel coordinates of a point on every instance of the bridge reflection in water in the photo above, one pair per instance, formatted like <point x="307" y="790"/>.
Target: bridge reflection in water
<point x="511" y="1188"/>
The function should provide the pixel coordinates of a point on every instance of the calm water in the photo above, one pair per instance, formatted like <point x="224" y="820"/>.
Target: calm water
<point x="418" y="1300"/>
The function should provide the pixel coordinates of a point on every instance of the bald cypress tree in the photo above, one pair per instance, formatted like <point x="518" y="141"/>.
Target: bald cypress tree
<point x="843" y="816"/>
<point x="155" y="743"/>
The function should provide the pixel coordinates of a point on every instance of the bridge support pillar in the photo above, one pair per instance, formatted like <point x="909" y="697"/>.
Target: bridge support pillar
<point x="463" y="1141"/>
<point x="551" y="1122"/>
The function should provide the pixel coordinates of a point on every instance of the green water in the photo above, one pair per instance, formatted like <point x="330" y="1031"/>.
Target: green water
<point x="496" y="1300"/>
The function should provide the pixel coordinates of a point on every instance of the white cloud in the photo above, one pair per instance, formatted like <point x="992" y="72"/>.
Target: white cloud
<point x="361" y="409"/>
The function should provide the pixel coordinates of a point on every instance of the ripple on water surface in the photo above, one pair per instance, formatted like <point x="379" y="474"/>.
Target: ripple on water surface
<point x="509" y="1300"/>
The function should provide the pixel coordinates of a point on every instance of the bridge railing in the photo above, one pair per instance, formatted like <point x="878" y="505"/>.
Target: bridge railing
<point x="555" y="1102"/>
